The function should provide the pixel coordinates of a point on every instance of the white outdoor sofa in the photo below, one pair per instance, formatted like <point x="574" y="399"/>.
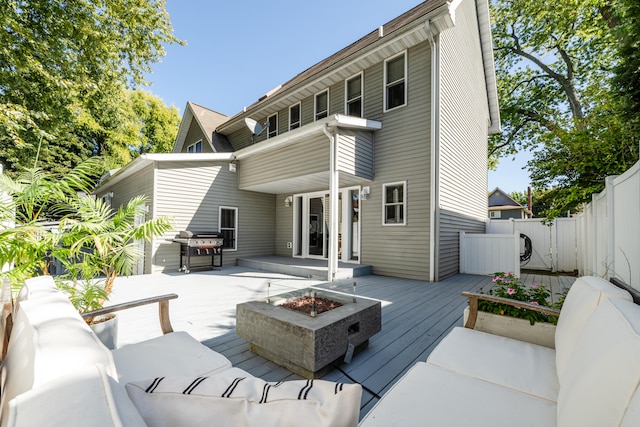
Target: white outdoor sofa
<point x="57" y="373"/>
<point x="473" y="378"/>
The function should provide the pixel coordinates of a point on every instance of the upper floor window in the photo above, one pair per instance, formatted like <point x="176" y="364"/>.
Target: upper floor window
<point x="195" y="148"/>
<point x="228" y="226"/>
<point x="322" y="105"/>
<point x="394" y="203"/>
<point x="294" y="116"/>
<point x="353" y="96"/>
<point x="395" y="82"/>
<point x="273" y="126"/>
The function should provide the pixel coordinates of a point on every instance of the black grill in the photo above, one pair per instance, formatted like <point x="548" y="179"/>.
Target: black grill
<point x="199" y="244"/>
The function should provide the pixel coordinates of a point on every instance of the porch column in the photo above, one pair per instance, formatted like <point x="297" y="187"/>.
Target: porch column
<point x="332" y="267"/>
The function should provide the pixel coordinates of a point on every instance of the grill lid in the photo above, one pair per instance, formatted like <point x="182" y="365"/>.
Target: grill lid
<point x="188" y="234"/>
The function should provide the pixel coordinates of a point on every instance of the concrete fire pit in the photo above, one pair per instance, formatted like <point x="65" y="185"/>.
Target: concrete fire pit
<point x="303" y="344"/>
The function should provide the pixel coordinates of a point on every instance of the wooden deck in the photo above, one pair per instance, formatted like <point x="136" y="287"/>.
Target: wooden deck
<point x="416" y="315"/>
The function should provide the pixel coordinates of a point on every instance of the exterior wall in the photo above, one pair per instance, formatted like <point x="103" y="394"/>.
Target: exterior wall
<point x="356" y="153"/>
<point x="464" y="118"/>
<point x="192" y="193"/>
<point x="141" y="183"/>
<point x="451" y="224"/>
<point x="510" y="213"/>
<point x="194" y="135"/>
<point x="284" y="226"/>
<point x="402" y="153"/>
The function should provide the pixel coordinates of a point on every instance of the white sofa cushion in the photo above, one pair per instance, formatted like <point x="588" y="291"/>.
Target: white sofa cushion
<point x="173" y="354"/>
<point x="525" y="367"/>
<point x="604" y="371"/>
<point x="49" y="340"/>
<point x="237" y="401"/>
<point x="434" y="396"/>
<point x="85" y="397"/>
<point x="582" y="299"/>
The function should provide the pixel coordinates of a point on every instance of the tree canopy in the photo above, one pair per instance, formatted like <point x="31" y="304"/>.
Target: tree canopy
<point x="63" y="66"/>
<point x="555" y="63"/>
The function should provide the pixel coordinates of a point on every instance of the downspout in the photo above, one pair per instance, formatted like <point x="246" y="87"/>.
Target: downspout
<point x="435" y="153"/>
<point x="333" y="205"/>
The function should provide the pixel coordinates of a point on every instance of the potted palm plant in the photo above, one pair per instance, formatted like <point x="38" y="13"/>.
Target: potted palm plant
<point x="98" y="244"/>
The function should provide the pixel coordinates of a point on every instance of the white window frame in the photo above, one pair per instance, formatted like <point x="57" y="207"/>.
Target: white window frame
<point x="389" y="84"/>
<point x="297" y="124"/>
<point x="346" y="94"/>
<point x="193" y="148"/>
<point x="402" y="204"/>
<point x="235" y="229"/>
<point x="272" y="131"/>
<point x="495" y="214"/>
<point x="315" y="106"/>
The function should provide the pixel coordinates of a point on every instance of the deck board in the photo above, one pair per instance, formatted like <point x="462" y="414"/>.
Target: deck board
<point x="416" y="315"/>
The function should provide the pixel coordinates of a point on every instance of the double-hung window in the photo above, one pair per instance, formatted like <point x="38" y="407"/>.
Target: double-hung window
<point x="228" y="226"/>
<point x="394" y="203"/>
<point x="353" y="96"/>
<point x="322" y="105"/>
<point x="272" y="121"/>
<point x="395" y="82"/>
<point x="195" y="148"/>
<point x="294" y="116"/>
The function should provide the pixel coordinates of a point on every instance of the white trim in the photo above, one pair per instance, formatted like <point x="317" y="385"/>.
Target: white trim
<point x="385" y="84"/>
<point x="315" y="105"/>
<point x="235" y="229"/>
<point x="299" y="105"/>
<point x="404" y="204"/>
<point x="346" y="93"/>
<point x="269" y="131"/>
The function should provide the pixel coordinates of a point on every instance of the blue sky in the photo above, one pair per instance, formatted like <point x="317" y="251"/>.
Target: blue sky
<point x="239" y="50"/>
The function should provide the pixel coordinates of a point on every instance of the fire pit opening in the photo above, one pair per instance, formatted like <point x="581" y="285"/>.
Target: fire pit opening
<point x="309" y="304"/>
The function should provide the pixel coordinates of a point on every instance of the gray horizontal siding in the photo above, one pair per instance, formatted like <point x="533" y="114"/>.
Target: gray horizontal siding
<point x="402" y="153"/>
<point x="355" y="153"/>
<point x="192" y="193"/>
<point x="306" y="158"/>
<point x="194" y="135"/>
<point x="450" y="226"/>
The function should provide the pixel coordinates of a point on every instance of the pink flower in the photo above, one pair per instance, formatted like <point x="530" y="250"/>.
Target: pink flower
<point x="534" y="303"/>
<point x="535" y="286"/>
<point x="495" y="279"/>
<point x="511" y="291"/>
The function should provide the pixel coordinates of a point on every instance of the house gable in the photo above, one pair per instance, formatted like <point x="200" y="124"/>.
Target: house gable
<point x="200" y="123"/>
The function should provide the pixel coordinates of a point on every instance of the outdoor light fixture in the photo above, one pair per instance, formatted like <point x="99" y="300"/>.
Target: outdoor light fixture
<point x="288" y="200"/>
<point x="365" y="192"/>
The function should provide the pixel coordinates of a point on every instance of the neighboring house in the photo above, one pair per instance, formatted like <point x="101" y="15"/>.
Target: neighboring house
<point x="376" y="155"/>
<point x="503" y="206"/>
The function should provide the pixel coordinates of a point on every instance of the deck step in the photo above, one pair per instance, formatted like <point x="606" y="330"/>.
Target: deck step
<point x="315" y="269"/>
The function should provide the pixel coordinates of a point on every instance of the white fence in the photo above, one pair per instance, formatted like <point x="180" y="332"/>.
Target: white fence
<point x="554" y="247"/>
<point x="609" y="230"/>
<point x="489" y="253"/>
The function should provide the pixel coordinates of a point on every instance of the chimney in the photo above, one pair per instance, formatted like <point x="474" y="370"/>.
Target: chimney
<point x="529" y="202"/>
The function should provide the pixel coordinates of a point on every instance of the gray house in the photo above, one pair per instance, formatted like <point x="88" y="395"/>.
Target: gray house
<point x="376" y="155"/>
<point x="503" y="206"/>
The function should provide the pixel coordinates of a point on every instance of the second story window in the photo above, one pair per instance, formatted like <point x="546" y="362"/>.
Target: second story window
<point x="353" y="96"/>
<point x="322" y="105"/>
<point x="273" y="126"/>
<point x="294" y="116"/>
<point x="395" y="86"/>
<point x="195" y="148"/>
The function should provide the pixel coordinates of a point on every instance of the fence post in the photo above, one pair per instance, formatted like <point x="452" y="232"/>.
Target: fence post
<point x="463" y="252"/>
<point x="611" y="244"/>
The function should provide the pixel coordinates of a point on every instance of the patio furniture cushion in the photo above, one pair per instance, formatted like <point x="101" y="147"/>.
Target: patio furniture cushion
<point x="64" y="402"/>
<point x="490" y="358"/>
<point x="177" y="353"/>
<point x="604" y="372"/>
<point x="430" y="395"/>
<point x="49" y="340"/>
<point x="582" y="299"/>
<point x="241" y="401"/>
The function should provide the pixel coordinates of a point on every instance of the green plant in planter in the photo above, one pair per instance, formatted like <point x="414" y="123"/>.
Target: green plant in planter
<point x="100" y="243"/>
<point x="507" y="285"/>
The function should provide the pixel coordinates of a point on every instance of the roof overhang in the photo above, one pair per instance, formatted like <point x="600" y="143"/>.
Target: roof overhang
<point x="113" y="177"/>
<point x="315" y="128"/>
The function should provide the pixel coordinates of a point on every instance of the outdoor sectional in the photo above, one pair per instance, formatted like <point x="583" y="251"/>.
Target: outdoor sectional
<point x="57" y="373"/>
<point x="591" y="378"/>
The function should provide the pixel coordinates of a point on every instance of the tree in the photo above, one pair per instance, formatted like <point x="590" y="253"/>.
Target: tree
<point x="554" y="64"/>
<point x="627" y="73"/>
<point x="61" y="61"/>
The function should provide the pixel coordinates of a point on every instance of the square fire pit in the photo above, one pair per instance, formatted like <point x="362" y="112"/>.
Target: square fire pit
<point x="303" y="344"/>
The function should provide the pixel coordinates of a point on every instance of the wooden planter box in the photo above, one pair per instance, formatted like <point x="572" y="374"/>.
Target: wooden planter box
<point x="540" y="333"/>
